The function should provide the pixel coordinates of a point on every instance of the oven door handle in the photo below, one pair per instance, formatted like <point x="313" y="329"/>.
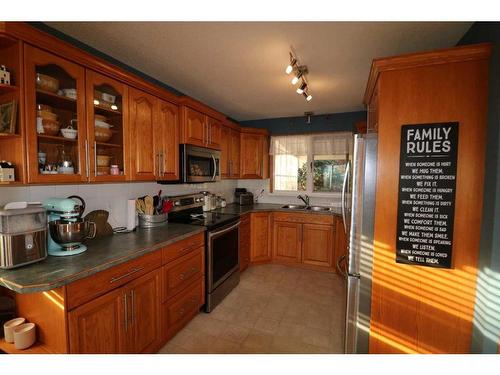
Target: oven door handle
<point x="215" y="168"/>
<point x="225" y="230"/>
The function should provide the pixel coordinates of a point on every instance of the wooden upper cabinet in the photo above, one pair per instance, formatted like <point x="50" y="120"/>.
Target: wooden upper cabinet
<point x="167" y="138"/>
<point x="260" y="227"/>
<point x="225" y="152"/>
<point x="251" y="155"/>
<point x="287" y="242"/>
<point x="107" y="125"/>
<point x="143" y="158"/>
<point x="99" y="326"/>
<point x="317" y="245"/>
<point x="213" y="134"/>
<point x="144" y="317"/>
<point x="194" y="127"/>
<point x="234" y="162"/>
<point x="47" y="110"/>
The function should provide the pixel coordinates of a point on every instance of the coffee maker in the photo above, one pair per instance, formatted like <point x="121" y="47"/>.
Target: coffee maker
<point x="67" y="229"/>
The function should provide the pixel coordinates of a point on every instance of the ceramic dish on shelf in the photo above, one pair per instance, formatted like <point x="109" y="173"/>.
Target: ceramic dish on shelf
<point x="102" y="124"/>
<point x="69" y="132"/>
<point x="69" y="93"/>
<point x="102" y="134"/>
<point x="47" y="83"/>
<point x="47" y="114"/>
<point x="103" y="160"/>
<point x="50" y="127"/>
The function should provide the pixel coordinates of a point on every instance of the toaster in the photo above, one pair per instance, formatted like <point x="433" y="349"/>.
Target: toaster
<point x="23" y="236"/>
<point x="243" y="197"/>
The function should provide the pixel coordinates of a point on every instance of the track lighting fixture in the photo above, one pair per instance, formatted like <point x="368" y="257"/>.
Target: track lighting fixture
<point x="299" y="74"/>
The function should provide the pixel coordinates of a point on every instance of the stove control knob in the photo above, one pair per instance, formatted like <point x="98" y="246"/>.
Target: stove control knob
<point x="177" y="203"/>
<point x="198" y="200"/>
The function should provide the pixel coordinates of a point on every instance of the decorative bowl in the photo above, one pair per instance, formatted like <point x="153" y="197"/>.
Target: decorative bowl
<point x="47" y="83"/>
<point x="50" y="127"/>
<point x="102" y="134"/>
<point x="69" y="132"/>
<point x="47" y="115"/>
<point x="103" y="160"/>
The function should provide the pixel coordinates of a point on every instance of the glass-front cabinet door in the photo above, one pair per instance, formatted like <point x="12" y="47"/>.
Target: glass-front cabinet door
<point x="107" y="118"/>
<point x="55" y="118"/>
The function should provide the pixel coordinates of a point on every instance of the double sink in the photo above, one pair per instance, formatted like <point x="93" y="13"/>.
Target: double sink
<point x="306" y="208"/>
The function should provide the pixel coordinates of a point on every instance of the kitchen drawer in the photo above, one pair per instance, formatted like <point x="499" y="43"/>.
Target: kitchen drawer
<point x="299" y="217"/>
<point x="183" y="247"/>
<point x="182" y="308"/>
<point x="180" y="273"/>
<point x="86" y="289"/>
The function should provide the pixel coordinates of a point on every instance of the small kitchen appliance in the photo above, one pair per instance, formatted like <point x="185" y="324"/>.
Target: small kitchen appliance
<point x="221" y="245"/>
<point x="23" y="236"/>
<point x="66" y="227"/>
<point x="243" y="197"/>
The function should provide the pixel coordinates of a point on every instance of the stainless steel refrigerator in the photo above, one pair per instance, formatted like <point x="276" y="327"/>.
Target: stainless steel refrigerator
<point x="358" y="213"/>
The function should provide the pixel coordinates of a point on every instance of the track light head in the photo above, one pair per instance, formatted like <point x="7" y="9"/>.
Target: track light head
<point x="307" y="96"/>
<point x="291" y="66"/>
<point x="296" y="78"/>
<point x="302" y="88"/>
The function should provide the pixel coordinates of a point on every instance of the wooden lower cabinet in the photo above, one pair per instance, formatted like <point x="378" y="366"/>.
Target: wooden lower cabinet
<point x="125" y="320"/>
<point x="244" y="242"/>
<point x="287" y="238"/>
<point x="180" y="309"/>
<point x="317" y="245"/>
<point x="260" y="233"/>
<point x="144" y="317"/>
<point x="99" y="326"/>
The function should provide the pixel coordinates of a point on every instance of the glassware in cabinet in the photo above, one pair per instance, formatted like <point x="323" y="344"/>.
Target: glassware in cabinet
<point x="55" y="110"/>
<point x="107" y="122"/>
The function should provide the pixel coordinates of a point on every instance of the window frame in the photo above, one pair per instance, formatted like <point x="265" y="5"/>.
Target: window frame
<point x="309" y="182"/>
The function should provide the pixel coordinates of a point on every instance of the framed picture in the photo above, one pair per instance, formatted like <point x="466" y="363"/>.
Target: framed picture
<point x="8" y="117"/>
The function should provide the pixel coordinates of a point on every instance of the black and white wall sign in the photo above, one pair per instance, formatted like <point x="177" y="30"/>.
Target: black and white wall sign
<point x="426" y="199"/>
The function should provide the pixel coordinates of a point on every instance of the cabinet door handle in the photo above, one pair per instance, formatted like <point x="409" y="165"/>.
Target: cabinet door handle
<point x="87" y="159"/>
<point x="125" y="310"/>
<point x="132" y="304"/>
<point x="157" y="158"/>
<point x="95" y="158"/>
<point x="162" y="163"/>
<point x="134" y="270"/>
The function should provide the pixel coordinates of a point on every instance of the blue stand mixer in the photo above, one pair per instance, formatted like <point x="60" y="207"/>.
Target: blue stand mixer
<point x="66" y="227"/>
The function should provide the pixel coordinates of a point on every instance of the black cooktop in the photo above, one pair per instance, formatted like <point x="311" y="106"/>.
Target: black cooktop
<point x="207" y="219"/>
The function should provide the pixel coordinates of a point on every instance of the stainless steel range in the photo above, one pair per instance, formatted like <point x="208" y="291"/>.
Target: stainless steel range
<point x="221" y="245"/>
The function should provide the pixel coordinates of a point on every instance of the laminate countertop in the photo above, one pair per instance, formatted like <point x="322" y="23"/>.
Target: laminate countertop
<point x="102" y="253"/>
<point x="234" y="208"/>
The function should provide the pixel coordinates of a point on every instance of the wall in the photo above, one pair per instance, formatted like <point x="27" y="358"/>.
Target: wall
<point x="319" y="123"/>
<point x="486" y="333"/>
<point x="111" y="197"/>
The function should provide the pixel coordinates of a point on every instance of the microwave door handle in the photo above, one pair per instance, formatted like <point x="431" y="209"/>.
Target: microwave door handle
<point x="215" y="168"/>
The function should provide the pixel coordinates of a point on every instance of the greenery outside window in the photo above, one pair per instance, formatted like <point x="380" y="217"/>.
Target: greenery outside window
<point x="313" y="164"/>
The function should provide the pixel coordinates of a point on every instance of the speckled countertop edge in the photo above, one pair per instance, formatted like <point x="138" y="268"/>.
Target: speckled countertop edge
<point x="234" y="208"/>
<point x="25" y="280"/>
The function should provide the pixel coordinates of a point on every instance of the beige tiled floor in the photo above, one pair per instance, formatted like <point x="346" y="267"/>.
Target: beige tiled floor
<point x="274" y="309"/>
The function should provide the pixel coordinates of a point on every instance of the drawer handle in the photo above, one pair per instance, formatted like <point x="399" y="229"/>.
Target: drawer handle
<point x="189" y="273"/>
<point x="134" y="270"/>
<point x="188" y="306"/>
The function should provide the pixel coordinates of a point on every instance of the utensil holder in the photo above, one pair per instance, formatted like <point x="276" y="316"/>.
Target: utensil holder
<point x="151" y="221"/>
<point x="8" y="328"/>
<point x="24" y="335"/>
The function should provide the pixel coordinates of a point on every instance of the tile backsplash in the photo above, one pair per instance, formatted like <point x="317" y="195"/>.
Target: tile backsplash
<point x="111" y="197"/>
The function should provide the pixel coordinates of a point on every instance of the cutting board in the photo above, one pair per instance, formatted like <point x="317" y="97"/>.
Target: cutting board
<point x="100" y="218"/>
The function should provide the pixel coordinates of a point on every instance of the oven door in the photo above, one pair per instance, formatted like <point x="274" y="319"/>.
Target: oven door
<point x="223" y="254"/>
<point x="199" y="164"/>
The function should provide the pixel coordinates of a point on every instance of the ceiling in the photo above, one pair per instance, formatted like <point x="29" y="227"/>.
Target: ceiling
<point x="238" y="67"/>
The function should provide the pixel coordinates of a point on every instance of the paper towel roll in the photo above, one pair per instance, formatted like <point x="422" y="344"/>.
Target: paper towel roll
<point x="131" y="214"/>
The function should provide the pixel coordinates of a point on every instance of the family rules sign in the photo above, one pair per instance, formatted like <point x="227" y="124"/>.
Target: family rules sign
<point x="426" y="197"/>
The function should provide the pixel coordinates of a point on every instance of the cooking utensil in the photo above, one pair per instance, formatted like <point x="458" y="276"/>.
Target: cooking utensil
<point x="148" y="201"/>
<point x="167" y="206"/>
<point x="69" y="234"/>
<point x="140" y="206"/>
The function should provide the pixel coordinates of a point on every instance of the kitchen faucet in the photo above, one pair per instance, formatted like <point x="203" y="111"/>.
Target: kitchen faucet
<point x="304" y="199"/>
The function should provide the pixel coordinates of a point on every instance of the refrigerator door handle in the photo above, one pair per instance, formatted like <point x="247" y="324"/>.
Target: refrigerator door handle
<point x="344" y="193"/>
<point x="339" y="268"/>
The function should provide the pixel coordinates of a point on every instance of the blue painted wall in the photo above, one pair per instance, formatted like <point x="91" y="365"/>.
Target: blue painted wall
<point x="320" y="123"/>
<point x="486" y="332"/>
